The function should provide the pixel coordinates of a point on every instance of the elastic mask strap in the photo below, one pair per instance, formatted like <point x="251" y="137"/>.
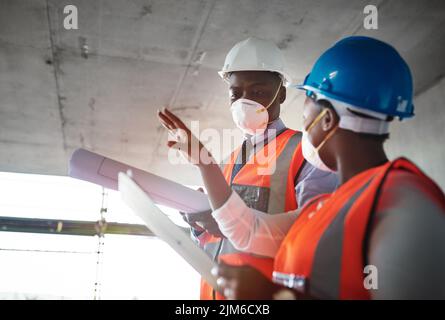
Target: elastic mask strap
<point x="275" y="96"/>
<point x="330" y="134"/>
<point x="317" y="118"/>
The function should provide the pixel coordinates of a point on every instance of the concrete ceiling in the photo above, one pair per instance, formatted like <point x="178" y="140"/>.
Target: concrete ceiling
<point x="145" y="54"/>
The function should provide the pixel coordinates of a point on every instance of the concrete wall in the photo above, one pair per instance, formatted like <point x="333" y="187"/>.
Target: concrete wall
<point x="143" y="55"/>
<point x="422" y="139"/>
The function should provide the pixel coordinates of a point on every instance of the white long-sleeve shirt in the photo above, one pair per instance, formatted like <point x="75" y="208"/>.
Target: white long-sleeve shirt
<point x="250" y="230"/>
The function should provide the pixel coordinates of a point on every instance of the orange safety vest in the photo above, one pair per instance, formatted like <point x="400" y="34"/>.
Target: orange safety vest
<point x="262" y="190"/>
<point x="325" y="251"/>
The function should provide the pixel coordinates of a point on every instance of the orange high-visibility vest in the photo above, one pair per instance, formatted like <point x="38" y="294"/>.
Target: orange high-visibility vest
<point x="325" y="251"/>
<point x="266" y="183"/>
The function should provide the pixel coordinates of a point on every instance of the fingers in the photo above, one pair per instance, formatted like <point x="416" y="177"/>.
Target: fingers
<point x="166" y="123"/>
<point x="171" y="143"/>
<point x="176" y="121"/>
<point x="226" y="287"/>
<point x="175" y="126"/>
<point x="203" y="221"/>
<point x="212" y="229"/>
<point x="165" y="120"/>
<point x="210" y="225"/>
<point x="226" y="279"/>
<point x="191" y="223"/>
<point x="170" y="120"/>
<point x="229" y="290"/>
<point x="243" y="282"/>
<point x="225" y="271"/>
<point x="205" y="216"/>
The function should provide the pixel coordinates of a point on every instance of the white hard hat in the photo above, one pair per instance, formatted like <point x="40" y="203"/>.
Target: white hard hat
<point x="254" y="54"/>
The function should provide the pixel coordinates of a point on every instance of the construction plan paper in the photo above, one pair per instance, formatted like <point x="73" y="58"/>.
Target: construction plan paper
<point x="93" y="167"/>
<point x="138" y="200"/>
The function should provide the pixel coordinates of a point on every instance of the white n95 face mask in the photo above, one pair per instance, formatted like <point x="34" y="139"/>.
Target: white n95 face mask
<point x="311" y="153"/>
<point x="250" y="116"/>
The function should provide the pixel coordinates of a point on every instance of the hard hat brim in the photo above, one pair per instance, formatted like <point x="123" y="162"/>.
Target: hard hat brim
<point x="287" y="80"/>
<point x="327" y="94"/>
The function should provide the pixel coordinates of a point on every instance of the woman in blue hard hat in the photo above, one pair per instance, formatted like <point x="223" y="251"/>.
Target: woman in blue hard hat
<point x="381" y="234"/>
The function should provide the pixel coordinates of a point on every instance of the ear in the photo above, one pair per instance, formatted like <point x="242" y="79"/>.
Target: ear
<point x="282" y="94"/>
<point x="330" y="120"/>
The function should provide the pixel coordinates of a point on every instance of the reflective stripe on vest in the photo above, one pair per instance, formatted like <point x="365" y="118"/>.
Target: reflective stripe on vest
<point x="326" y="246"/>
<point x="268" y="192"/>
<point x="278" y="189"/>
<point x="326" y="266"/>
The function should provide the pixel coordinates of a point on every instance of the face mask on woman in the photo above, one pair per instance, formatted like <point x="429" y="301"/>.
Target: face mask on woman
<point x="311" y="153"/>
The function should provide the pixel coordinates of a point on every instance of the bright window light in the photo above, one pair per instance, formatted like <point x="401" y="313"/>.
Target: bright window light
<point x="46" y="266"/>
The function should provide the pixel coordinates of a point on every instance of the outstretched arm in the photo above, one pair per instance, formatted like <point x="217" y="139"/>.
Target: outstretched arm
<point x="217" y="188"/>
<point x="247" y="229"/>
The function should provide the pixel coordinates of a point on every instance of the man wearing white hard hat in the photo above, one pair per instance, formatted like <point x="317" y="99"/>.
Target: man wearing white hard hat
<point x="256" y="73"/>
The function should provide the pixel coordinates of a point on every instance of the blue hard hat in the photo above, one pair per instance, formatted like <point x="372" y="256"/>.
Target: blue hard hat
<point x="366" y="73"/>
